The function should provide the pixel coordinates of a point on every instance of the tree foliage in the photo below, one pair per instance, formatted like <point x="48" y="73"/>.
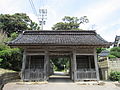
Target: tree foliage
<point x="9" y="58"/>
<point x="115" y="51"/>
<point x="13" y="36"/>
<point x="70" y="23"/>
<point x="114" y="76"/>
<point x="60" y="63"/>
<point x="3" y="37"/>
<point x="111" y="56"/>
<point x="16" y="22"/>
<point x="100" y="49"/>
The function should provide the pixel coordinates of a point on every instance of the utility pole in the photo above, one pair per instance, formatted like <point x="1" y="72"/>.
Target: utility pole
<point x="42" y="17"/>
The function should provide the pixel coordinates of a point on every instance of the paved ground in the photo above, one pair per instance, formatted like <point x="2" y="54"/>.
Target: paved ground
<point x="60" y="86"/>
<point x="59" y="82"/>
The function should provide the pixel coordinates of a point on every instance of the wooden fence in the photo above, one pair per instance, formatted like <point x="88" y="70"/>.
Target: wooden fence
<point x="86" y="75"/>
<point x="33" y="75"/>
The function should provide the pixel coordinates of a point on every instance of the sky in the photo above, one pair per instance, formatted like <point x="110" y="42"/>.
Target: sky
<point x="103" y="15"/>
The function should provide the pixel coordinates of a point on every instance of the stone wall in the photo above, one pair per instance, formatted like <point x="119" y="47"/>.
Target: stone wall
<point x="106" y="66"/>
<point x="7" y="77"/>
<point x="114" y="64"/>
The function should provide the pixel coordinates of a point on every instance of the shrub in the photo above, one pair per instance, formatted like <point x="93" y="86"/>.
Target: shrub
<point x="111" y="56"/>
<point x="115" y="76"/>
<point x="11" y="59"/>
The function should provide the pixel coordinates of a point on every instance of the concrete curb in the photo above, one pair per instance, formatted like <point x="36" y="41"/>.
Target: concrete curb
<point x="7" y="77"/>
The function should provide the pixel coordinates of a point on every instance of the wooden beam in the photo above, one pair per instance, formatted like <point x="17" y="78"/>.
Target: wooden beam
<point x="35" y="54"/>
<point x="58" y="46"/>
<point x="84" y="54"/>
<point x="96" y="64"/>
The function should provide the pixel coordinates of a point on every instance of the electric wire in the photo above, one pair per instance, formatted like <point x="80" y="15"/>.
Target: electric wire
<point x="33" y="7"/>
<point x="34" y="10"/>
<point x="42" y="3"/>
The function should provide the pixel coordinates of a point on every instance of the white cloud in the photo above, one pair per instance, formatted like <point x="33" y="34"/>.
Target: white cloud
<point x="117" y="32"/>
<point x="99" y="14"/>
<point x="11" y="6"/>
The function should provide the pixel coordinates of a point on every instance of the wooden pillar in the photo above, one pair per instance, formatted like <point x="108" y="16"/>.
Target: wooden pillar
<point x="89" y="63"/>
<point x="46" y="61"/>
<point x="96" y="64"/>
<point x="23" y="65"/>
<point x="47" y="66"/>
<point x="74" y="66"/>
<point x="71" y="66"/>
<point x="29" y="69"/>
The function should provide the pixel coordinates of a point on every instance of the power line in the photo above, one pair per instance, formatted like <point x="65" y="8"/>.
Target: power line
<point x="42" y="13"/>
<point x="34" y="10"/>
<point x="33" y="7"/>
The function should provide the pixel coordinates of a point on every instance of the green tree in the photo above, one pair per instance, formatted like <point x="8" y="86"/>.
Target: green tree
<point x="16" y="22"/>
<point x="34" y="26"/>
<point x="70" y="23"/>
<point x="13" y="36"/>
<point x="100" y="49"/>
<point x="9" y="58"/>
<point x="59" y="63"/>
<point x="3" y="37"/>
<point x="115" y="51"/>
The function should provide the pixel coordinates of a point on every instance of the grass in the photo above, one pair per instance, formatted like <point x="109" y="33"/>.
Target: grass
<point x="2" y="71"/>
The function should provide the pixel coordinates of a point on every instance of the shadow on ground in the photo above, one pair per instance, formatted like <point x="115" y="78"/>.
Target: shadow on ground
<point x="60" y="77"/>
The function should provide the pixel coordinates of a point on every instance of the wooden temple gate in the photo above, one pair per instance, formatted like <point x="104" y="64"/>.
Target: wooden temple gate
<point x="83" y="64"/>
<point x="79" y="45"/>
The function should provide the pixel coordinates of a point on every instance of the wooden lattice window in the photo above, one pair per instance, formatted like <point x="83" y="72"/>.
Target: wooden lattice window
<point x="85" y="62"/>
<point x="35" y="62"/>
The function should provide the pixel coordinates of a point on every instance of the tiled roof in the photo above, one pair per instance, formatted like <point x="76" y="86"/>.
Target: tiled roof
<point x="104" y="53"/>
<point x="117" y="39"/>
<point x="59" y="38"/>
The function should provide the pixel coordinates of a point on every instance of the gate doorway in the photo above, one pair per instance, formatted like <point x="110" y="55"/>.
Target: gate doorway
<point x="60" y="68"/>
